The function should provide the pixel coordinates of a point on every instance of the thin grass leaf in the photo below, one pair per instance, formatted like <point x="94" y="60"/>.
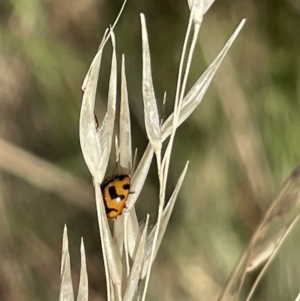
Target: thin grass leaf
<point x="119" y="233"/>
<point x="103" y="42"/>
<point x="105" y="133"/>
<point x="96" y="143"/>
<point x="117" y="292"/>
<point x="150" y="106"/>
<point x="96" y="154"/>
<point x="163" y="224"/>
<point x="134" y="160"/>
<point x="205" y="5"/>
<point x="287" y="198"/>
<point x="83" y="290"/>
<point x="163" y="108"/>
<point x="132" y="231"/>
<point x="112" y="297"/>
<point x="196" y="8"/>
<point x="283" y="204"/>
<point x="181" y="86"/>
<point x="196" y="93"/>
<point x="134" y="276"/>
<point x="66" y="288"/>
<point x="88" y="128"/>
<point x="94" y="61"/>
<point x="298" y="297"/>
<point x="183" y="75"/>
<point x="263" y="250"/>
<point x="126" y="248"/>
<point x="125" y="126"/>
<point x="117" y="148"/>
<point x="180" y="90"/>
<point x="140" y="175"/>
<point x="262" y="272"/>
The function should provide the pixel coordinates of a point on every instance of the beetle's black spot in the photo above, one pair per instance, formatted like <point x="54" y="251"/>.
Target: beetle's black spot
<point x="121" y="177"/>
<point x="109" y="180"/>
<point x="109" y="210"/>
<point x="126" y="186"/>
<point x="113" y="193"/>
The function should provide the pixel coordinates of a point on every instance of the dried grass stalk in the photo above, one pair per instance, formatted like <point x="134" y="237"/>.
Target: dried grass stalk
<point x="128" y="250"/>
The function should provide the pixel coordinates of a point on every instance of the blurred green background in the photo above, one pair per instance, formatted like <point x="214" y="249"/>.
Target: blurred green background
<point x="242" y="141"/>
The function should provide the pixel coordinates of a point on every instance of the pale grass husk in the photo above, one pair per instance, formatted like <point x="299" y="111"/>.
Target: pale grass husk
<point x="66" y="287"/>
<point x="83" y="290"/>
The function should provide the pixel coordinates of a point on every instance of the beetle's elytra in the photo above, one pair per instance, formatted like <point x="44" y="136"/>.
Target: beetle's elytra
<point x="115" y="192"/>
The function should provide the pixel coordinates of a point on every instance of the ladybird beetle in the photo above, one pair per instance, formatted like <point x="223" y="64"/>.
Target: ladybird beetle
<point x="115" y="192"/>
